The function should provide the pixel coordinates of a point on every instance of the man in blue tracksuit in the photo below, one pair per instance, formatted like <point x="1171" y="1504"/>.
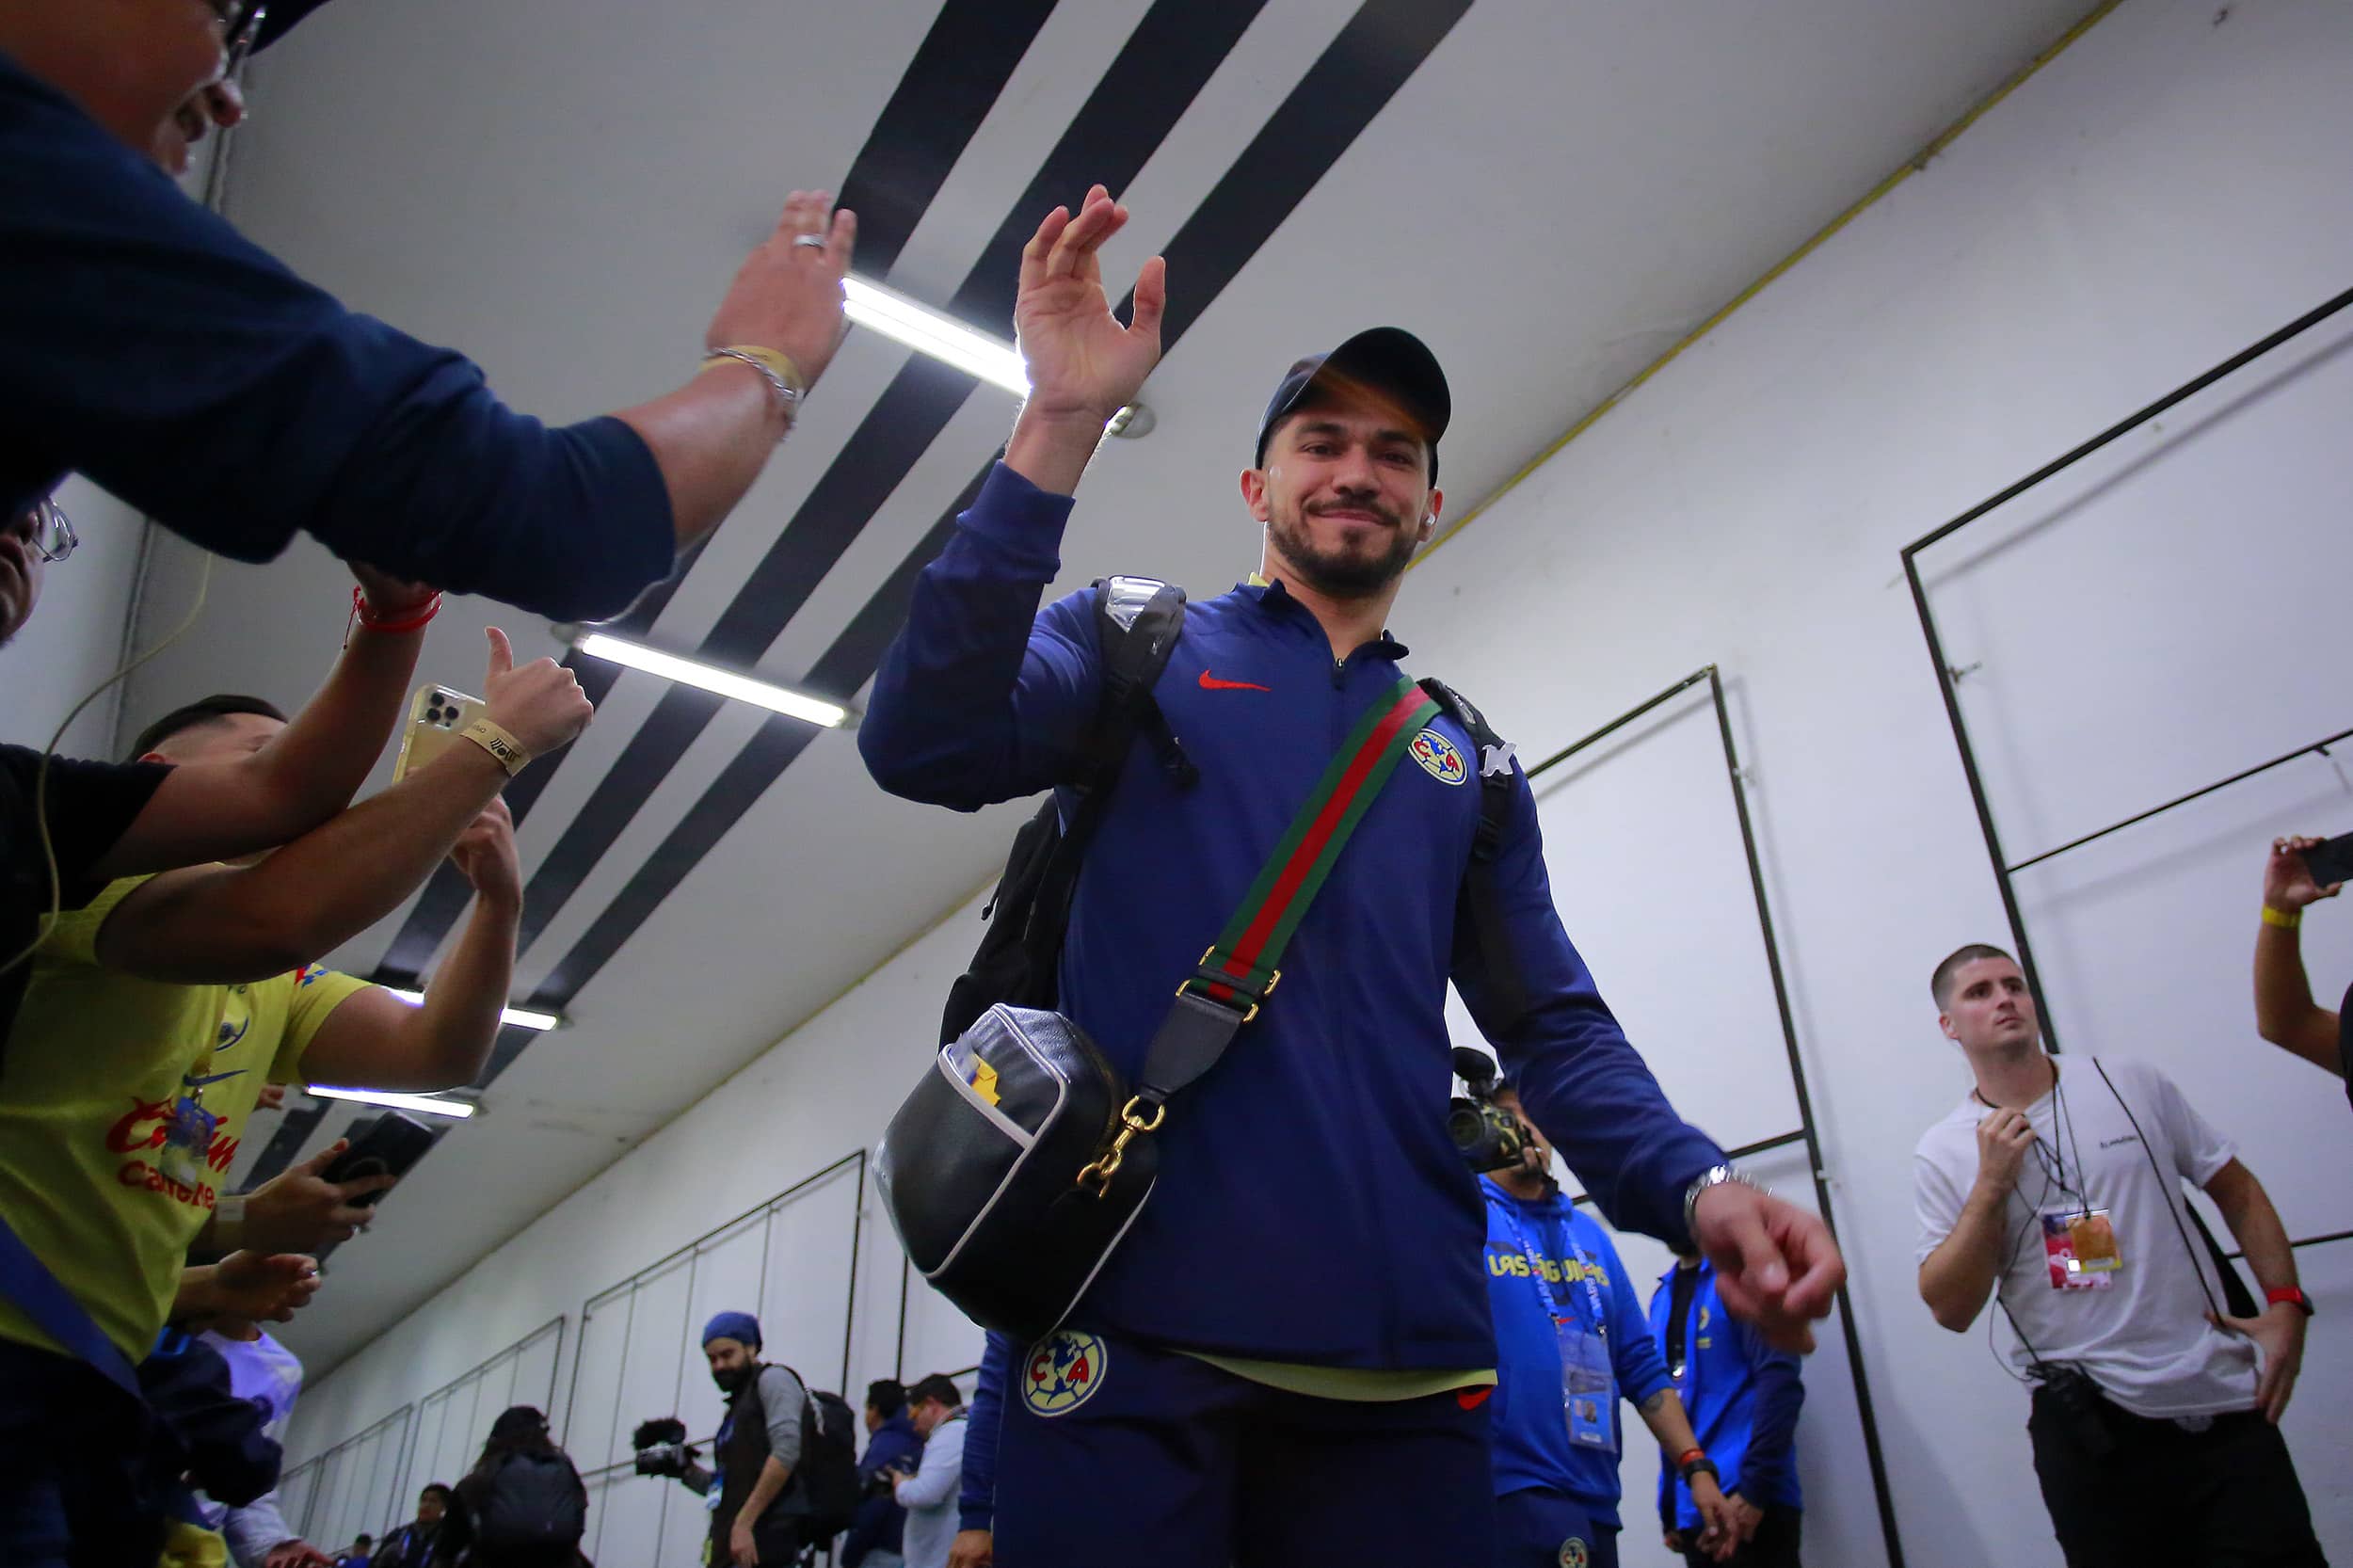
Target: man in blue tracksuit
<point x="1289" y="1357"/>
<point x="1744" y="1397"/>
<point x="1571" y="1339"/>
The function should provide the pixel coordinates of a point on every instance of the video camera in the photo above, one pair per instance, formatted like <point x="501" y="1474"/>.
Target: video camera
<point x="662" y="1447"/>
<point x="1489" y="1137"/>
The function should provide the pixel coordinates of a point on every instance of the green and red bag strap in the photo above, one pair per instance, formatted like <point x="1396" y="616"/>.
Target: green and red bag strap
<point x="1238" y="974"/>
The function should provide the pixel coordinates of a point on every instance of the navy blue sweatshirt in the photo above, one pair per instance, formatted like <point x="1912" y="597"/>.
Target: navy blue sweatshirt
<point x="1310" y="1208"/>
<point x="1743" y="1397"/>
<point x="146" y="344"/>
<point x="881" y="1522"/>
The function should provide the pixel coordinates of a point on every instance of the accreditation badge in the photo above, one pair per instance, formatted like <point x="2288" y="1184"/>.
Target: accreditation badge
<point x="1588" y="1385"/>
<point x="187" y="1142"/>
<point x="2079" y="1245"/>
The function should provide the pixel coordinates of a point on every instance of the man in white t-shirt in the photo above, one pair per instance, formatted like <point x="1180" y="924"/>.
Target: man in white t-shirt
<point x="2057" y="1189"/>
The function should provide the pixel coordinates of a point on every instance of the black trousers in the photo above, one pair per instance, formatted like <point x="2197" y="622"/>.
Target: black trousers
<point x="1773" y="1545"/>
<point x="2225" y="1498"/>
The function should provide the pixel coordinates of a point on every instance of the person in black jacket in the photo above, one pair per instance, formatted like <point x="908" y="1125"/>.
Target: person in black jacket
<point x="522" y="1506"/>
<point x="759" y="1508"/>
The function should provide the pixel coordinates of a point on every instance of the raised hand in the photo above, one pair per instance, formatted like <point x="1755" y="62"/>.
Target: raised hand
<point x="2288" y="883"/>
<point x="485" y="854"/>
<point x="541" y="705"/>
<point x="1082" y="363"/>
<point x="787" y="296"/>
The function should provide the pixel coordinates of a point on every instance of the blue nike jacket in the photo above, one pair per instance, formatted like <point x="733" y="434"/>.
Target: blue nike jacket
<point x="1310" y="1208"/>
<point x="1531" y="1430"/>
<point x="1743" y="1397"/>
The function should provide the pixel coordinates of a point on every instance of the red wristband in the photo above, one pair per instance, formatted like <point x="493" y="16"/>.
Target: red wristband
<point x="360" y="613"/>
<point x="1687" y="1455"/>
<point x="2291" y="1295"/>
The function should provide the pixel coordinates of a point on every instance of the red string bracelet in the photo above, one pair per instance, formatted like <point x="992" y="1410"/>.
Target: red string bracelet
<point x="360" y="614"/>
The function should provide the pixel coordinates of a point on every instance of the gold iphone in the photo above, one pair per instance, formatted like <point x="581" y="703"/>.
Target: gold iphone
<point x="434" y="720"/>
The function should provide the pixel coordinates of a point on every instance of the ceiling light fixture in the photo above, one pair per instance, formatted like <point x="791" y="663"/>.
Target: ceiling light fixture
<point x="920" y="327"/>
<point x="946" y="338"/>
<point x="522" y="1018"/>
<point x="432" y="1105"/>
<point x="710" y="678"/>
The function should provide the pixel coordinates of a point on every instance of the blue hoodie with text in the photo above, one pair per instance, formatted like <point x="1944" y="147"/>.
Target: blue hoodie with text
<point x="1532" y="1448"/>
<point x="1311" y="1208"/>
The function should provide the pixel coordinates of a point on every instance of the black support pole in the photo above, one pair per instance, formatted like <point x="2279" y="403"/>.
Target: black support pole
<point x="1881" y="1490"/>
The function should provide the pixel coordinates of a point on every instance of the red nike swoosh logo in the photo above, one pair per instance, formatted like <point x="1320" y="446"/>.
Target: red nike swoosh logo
<point x="1211" y="683"/>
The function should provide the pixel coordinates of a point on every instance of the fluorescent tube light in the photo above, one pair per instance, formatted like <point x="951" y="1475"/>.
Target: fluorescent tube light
<point x="944" y="338"/>
<point x="710" y="678"/>
<point x="920" y="327"/>
<point x="432" y="1105"/>
<point x="522" y="1018"/>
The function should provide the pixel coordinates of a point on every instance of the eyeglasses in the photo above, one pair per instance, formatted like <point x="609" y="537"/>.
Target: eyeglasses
<point x="53" y="532"/>
<point x="240" y="24"/>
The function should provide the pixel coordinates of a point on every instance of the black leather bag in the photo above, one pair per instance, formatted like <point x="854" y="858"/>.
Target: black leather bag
<point x="976" y="1170"/>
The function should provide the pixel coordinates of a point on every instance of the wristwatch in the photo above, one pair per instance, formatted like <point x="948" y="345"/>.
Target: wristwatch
<point x="1696" y="1463"/>
<point x="2291" y="1295"/>
<point x="1714" y="1175"/>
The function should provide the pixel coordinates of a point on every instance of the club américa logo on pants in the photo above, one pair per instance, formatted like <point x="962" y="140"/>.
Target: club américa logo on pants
<point x="1573" y="1553"/>
<point x="1064" y="1371"/>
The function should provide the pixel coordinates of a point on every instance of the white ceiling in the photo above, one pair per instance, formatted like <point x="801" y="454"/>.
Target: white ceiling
<point x="562" y="187"/>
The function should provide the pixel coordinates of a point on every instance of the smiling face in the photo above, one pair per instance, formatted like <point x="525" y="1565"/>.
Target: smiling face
<point x="1345" y="494"/>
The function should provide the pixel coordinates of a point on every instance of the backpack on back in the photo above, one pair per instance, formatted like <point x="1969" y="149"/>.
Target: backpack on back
<point x="1136" y="623"/>
<point x="535" y="1500"/>
<point x="827" y="1472"/>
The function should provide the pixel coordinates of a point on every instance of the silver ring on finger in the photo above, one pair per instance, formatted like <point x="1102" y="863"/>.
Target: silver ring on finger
<point x="814" y="242"/>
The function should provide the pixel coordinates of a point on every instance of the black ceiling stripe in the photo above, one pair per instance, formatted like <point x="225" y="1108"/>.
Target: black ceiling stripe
<point x="844" y="666"/>
<point x="1147" y="89"/>
<point x="910" y="414"/>
<point x="955" y="80"/>
<point x="1350" y="81"/>
<point x="957" y="73"/>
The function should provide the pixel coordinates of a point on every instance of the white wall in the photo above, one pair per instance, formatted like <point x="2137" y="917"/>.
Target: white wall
<point x="2166" y="192"/>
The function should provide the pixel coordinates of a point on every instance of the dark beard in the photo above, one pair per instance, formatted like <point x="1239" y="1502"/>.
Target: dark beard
<point x="734" y="1383"/>
<point x="1341" y="576"/>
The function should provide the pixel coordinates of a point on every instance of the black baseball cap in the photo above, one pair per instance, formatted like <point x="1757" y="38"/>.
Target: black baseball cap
<point x="1388" y="358"/>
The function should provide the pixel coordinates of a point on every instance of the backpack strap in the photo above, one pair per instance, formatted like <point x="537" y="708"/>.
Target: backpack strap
<point x="1480" y="900"/>
<point x="1136" y="623"/>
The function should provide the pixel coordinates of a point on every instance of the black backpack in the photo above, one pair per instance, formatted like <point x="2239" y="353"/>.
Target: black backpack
<point x="533" y="1499"/>
<point x="1136" y="623"/>
<point x="828" y="1468"/>
<point x="1137" y="620"/>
